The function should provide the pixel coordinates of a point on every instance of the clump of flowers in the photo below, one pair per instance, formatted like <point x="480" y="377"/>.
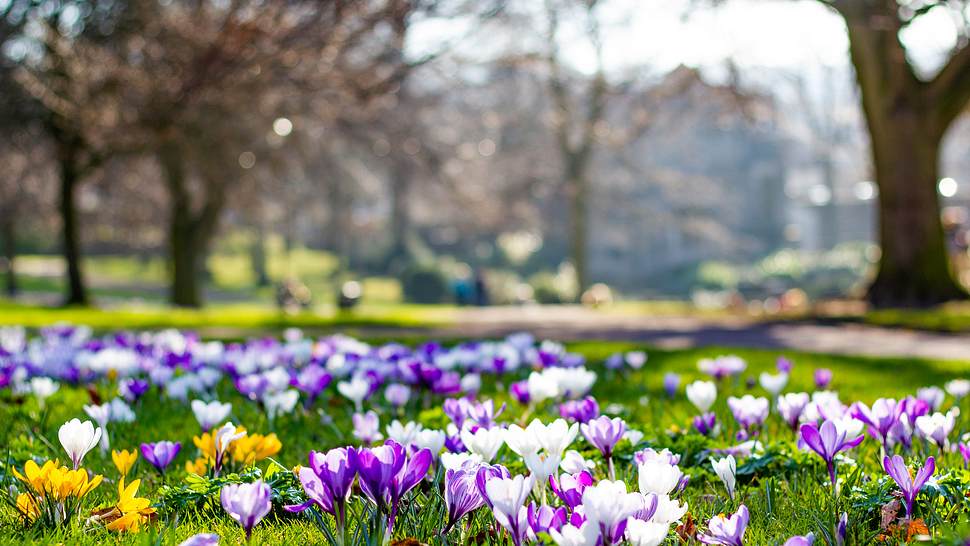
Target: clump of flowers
<point x="129" y="513"/>
<point x="232" y="446"/>
<point x="54" y="494"/>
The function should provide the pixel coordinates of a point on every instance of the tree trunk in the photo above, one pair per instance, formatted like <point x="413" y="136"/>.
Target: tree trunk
<point x="399" y="253"/>
<point x="914" y="270"/>
<point x="77" y="293"/>
<point x="257" y="255"/>
<point x="906" y="125"/>
<point x="829" y="211"/>
<point x="579" y="227"/>
<point x="10" y="255"/>
<point x="185" y="261"/>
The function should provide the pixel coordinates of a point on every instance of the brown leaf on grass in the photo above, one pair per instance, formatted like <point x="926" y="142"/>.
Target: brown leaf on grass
<point x="917" y="528"/>
<point x="687" y="531"/>
<point x="888" y="514"/>
<point x="407" y="542"/>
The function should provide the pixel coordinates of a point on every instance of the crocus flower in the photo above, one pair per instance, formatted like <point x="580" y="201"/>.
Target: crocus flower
<point x="575" y="534"/>
<point x="937" y="427"/>
<point x="658" y="477"/>
<point x="367" y="427"/>
<point x="791" y="406"/>
<point x="646" y="533"/>
<point x="327" y="481"/>
<point x="702" y="394"/>
<point x="881" y="417"/>
<point x="706" y="424"/>
<point x="671" y="384"/>
<point x="224" y="437"/>
<point x="201" y="539"/>
<point x="280" y="402"/>
<point x="210" y="414"/>
<point x="78" y="438"/>
<point x="160" y="454"/>
<point x="544" y="518"/>
<point x="397" y="394"/>
<point x="486" y="472"/>
<point x="573" y="462"/>
<point x="607" y="505"/>
<point x="727" y="470"/>
<point x="965" y="453"/>
<point x="748" y="411"/>
<point x="507" y="497"/>
<point x="247" y="503"/>
<point x="580" y="411"/>
<point x="931" y="395"/>
<point x="727" y="531"/>
<point x="784" y="365"/>
<point x="958" y="388"/>
<point x="773" y="383"/>
<point x="483" y="441"/>
<point x="386" y="475"/>
<point x="520" y="392"/>
<point x="355" y="390"/>
<point x="124" y="460"/>
<point x="806" y="540"/>
<point x="461" y="493"/>
<point x="570" y="487"/>
<point x="910" y="485"/>
<point x="722" y="366"/>
<point x="604" y="433"/>
<point x="841" y="529"/>
<point x="827" y="441"/>
<point x="101" y="415"/>
<point x="823" y="377"/>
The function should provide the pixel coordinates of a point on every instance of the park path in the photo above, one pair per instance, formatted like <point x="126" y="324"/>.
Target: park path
<point x="575" y="323"/>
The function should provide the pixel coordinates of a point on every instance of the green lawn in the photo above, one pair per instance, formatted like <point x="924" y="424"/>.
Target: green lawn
<point x="786" y="494"/>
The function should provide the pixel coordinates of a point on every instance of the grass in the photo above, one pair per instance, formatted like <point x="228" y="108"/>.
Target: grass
<point x="226" y="320"/>
<point x="784" y="499"/>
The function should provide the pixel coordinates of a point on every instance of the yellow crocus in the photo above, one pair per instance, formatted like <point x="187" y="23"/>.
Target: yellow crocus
<point x="256" y="447"/>
<point x="199" y="466"/>
<point x="27" y="507"/>
<point x="124" y="460"/>
<point x="133" y="510"/>
<point x="206" y="444"/>
<point x="36" y="476"/>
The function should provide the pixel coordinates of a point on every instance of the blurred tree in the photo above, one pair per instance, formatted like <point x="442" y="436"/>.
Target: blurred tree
<point x="907" y="117"/>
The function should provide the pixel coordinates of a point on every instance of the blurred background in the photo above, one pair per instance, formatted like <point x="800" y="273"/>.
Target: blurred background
<point x="759" y="157"/>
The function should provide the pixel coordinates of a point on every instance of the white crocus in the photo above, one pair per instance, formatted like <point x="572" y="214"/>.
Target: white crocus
<point x="607" y="503"/>
<point x="433" y="440"/>
<point x="774" y="384"/>
<point x="668" y="510"/>
<point x="453" y="461"/>
<point x="646" y="533"/>
<point x="280" y="402"/>
<point x="43" y="388"/>
<point x="702" y="394"/>
<point x="958" y="388"/>
<point x="658" y="477"/>
<point x="102" y="416"/>
<point x="542" y="465"/>
<point x="210" y="414"/>
<point x="541" y="388"/>
<point x="121" y="412"/>
<point x="78" y="438"/>
<point x="727" y="470"/>
<point x="484" y="442"/>
<point x="226" y="435"/>
<point x="403" y="434"/>
<point x="508" y="496"/>
<point x="573" y="462"/>
<point x="584" y="535"/>
<point x="525" y="441"/>
<point x="354" y="390"/>
<point x="558" y="435"/>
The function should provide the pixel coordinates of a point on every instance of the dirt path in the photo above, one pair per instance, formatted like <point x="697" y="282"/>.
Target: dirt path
<point x="570" y="323"/>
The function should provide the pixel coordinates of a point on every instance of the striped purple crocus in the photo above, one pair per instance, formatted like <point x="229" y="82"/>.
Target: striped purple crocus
<point x="327" y="482"/>
<point x="604" y="433"/>
<point x="727" y="530"/>
<point x="827" y="440"/>
<point x="387" y="474"/>
<point x="896" y="467"/>
<point x="247" y="503"/>
<point x="461" y="493"/>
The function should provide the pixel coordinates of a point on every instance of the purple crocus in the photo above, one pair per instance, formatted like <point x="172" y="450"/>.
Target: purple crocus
<point x="570" y="487"/>
<point x="881" y="418"/>
<point x="801" y="540"/>
<point x="604" y="433"/>
<point x="543" y="518"/>
<point x="823" y="377"/>
<point x="520" y="391"/>
<point x="486" y="472"/>
<point x="784" y="365"/>
<point x="327" y="482"/>
<point x="727" y="530"/>
<point x="461" y="493"/>
<point x="161" y="454"/>
<point x="671" y="384"/>
<point x="580" y="411"/>
<point x="386" y="475"/>
<point x="791" y="406"/>
<point x="827" y="441"/>
<point x="133" y="389"/>
<point x="706" y="423"/>
<point x="965" y="453"/>
<point x="896" y="467"/>
<point x="397" y="394"/>
<point x="247" y="503"/>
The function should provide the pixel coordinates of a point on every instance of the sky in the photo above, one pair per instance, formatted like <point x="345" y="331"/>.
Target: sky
<point x="778" y="34"/>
